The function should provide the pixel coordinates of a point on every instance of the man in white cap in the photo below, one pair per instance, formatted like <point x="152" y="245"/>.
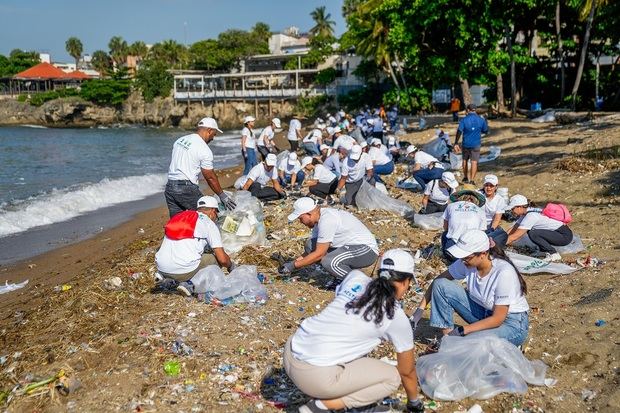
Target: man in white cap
<point x="393" y="147"/>
<point x="187" y="236"/>
<point x="339" y="241"/>
<point x="340" y="139"/>
<point x="356" y="169"/>
<point x="248" y="144"/>
<point x="290" y="172"/>
<point x="437" y="193"/>
<point x="265" y="144"/>
<point x="191" y="157"/>
<point x="382" y="162"/>
<point x="261" y="176"/>
<point x="425" y="167"/>
<point x="312" y="141"/>
<point x="294" y="132"/>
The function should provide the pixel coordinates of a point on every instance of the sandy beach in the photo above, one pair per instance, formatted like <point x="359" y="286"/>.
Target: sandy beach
<point x="115" y="342"/>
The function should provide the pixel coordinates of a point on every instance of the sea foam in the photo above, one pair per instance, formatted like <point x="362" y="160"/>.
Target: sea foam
<point x="62" y="205"/>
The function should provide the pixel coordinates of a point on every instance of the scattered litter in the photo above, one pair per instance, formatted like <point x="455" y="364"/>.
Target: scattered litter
<point x="589" y="262"/>
<point x="240" y="286"/>
<point x="181" y="349"/>
<point x="587" y="395"/>
<point x="369" y="197"/>
<point x="600" y="323"/>
<point x="172" y="368"/>
<point x="475" y="409"/>
<point x="429" y="221"/>
<point x="11" y="287"/>
<point x="547" y="117"/>
<point x="63" y="288"/>
<point x="530" y="265"/>
<point x="114" y="283"/>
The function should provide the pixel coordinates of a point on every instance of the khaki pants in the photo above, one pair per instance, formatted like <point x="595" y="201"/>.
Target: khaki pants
<point x="205" y="260"/>
<point x="358" y="383"/>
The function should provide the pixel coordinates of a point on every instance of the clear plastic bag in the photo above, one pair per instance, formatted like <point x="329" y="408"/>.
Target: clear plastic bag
<point x="429" y="221"/>
<point x="547" y="117"/>
<point x="369" y="197"/>
<point x="244" y="225"/>
<point x="479" y="366"/>
<point x="240" y="286"/>
<point x="409" y="183"/>
<point x="574" y="247"/>
<point x="530" y="265"/>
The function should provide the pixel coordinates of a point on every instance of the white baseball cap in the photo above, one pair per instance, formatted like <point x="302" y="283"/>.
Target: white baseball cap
<point x="276" y="122"/>
<point x="302" y="206"/>
<point x="363" y="144"/>
<point x="207" y="202"/>
<point x="517" y="200"/>
<point x="271" y="159"/>
<point x="330" y="130"/>
<point x="491" y="179"/>
<point x="375" y="141"/>
<point x="307" y="160"/>
<point x="471" y="242"/>
<point x="337" y="129"/>
<point x="292" y="158"/>
<point x="397" y="260"/>
<point x="450" y="179"/>
<point x="324" y="146"/>
<point x="249" y="119"/>
<point x="391" y="140"/>
<point x="411" y="149"/>
<point x="356" y="152"/>
<point x="209" y="123"/>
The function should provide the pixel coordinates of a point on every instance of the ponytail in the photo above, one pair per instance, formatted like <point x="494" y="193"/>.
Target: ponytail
<point x="497" y="252"/>
<point x="379" y="299"/>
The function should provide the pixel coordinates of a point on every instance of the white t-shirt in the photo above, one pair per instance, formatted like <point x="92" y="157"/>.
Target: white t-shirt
<point x="378" y="156"/>
<point x="289" y="169"/>
<point x="250" y="141"/>
<point x="342" y="228"/>
<point x="354" y="171"/>
<point x="499" y="287"/>
<point x="183" y="256"/>
<point x="494" y="206"/>
<point x="259" y="174"/>
<point x="268" y="133"/>
<point x="436" y="193"/>
<point x="336" y="336"/>
<point x="190" y="154"/>
<point x="323" y="175"/>
<point x="424" y="159"/>
<point x="536" y="220"/>
<point x="463" y="216"/>
<point x="310" y="138"/>
<point x="292" y="128"/>
<point x="385" y="149"/>
<point x="345" y="141"/>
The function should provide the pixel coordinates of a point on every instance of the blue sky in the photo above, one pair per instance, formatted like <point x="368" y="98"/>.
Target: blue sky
<point x="45" y="25"/>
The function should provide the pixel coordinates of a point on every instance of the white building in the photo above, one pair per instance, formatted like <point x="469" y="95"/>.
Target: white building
<point x="280" y="43"/>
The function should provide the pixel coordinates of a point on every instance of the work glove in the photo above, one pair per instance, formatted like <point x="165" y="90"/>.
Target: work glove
<point x="287" y="268"/>
<point x="422" y="210"/>
<point x="233" y="265"/>
<point x="458" y="332"/>
<point x="227" y="201"/>
<point x="416" y="316"/>
<point x="414" y="406"/>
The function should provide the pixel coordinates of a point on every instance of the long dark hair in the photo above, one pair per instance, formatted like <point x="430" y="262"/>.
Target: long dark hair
<point x="497" y="252"/>
<point x="379" y="299"/>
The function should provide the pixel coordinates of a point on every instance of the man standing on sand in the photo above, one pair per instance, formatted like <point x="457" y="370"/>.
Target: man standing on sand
<point x="455" y="106"/>
<point x="191" y="156"/>
<point x="471" y="127"/>
<point x="294" y="133"/>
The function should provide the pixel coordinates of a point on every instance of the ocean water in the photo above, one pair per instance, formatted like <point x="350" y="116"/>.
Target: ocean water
<point x="50" y="175"/>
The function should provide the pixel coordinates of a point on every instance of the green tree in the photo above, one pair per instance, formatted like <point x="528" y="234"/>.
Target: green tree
<point x="17" y="61"/>
<point x="208" y="55"/>
<point x="170" y="52"/>
<point x="74" y="47"/>
<point x="139" y="50"/>
<point x="261" y="32"/>
<point x="323" y="25"/>
<point x="102" y="62"/>
<point x="107" y="92"/>
<point x="118" y="50"/>
<point x="154" y="80"/>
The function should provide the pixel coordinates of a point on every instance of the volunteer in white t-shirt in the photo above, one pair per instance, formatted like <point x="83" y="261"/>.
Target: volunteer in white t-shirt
<point x="290" y="172"/>
<point x="437" y="193"/>
<point x="382" y="162"/>
<point x="545" y="232"/>
<point x="312" y="141"/>
<point x="265" y="143"/>
<point x="494" y="301"/>
<point x="319" y="180"/>
<point x="339" y="241"/>
<point x="356" y="168"/>
<point x="261" y="176"/>
<point x="182" y="252"/>
<point x="333" y="161"/>
<point x="192" y="157"/>
<point x="464" y="213"/>
<point x="393" y="146"/>
<point x="294" y="132"/>
<point x="340" y="139"/>
<point x="494" y="208"/>
<point x="425" y="167"/>
<point x="327" y="357"/>
<point x="248" y="144"/>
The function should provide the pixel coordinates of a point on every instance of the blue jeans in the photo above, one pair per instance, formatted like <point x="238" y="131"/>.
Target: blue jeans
<point x="250" y="160"/>
<point x="448" y="296"/>
<point x="385" y="169"/>
<point x="424" y="176"/>
<point x="311" y="149"/>
<point x="287" y="179"/>
<point x="499" y="236"/>
<point x="445" y="244"/>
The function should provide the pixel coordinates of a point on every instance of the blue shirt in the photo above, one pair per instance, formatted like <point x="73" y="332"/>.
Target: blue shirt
<point x="472" y="127"/>
<point x="378" y="126"/>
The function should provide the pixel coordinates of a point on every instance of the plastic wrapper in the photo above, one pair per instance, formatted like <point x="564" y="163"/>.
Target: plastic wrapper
<point x="574" y="247"/>
<point x="11" y="287"/>
<point x="409" y="183"/>
<point x="478" y="366"/>
<point x="429" y="221"/>
<point x="456" y="160"/>
<point x="369" y="197"/>
<point x="530" y="265"/>
<point x="547" y="117"/>
<point x="244" y="225"/>
<point x="240" y="286"/>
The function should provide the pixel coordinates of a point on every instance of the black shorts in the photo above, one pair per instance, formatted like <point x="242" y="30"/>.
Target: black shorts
<point x="471" y="153"/>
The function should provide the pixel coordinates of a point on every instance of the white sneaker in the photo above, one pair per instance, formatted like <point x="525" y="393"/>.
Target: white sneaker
<point x="555" y="257"/>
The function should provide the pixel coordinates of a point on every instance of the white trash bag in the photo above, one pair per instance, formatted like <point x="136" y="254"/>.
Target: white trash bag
<point x="530" y="265"/>
<point x="369" y="197"/>
<point x="478" y="366"/>
<point x="7" y="288"/>
<point x="547" y="117"/>
<point x="240" y="182"/>
<point x="574" y="247"/>
<point x="240" y="286"/>
<point x="244" y="224"/>
<point x="436" y="147"/>
<point x="429" y="221"/>
<point x="410" y="183"/>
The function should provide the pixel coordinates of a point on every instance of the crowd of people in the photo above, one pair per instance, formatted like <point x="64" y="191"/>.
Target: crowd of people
<point x="327" y="357"/>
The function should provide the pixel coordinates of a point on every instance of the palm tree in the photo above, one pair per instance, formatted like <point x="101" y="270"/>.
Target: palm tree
<point x="170" y="52"/>
<point x="118" y="50"/>
<point x="101" y="62"/>
<point x="323" y="26"/>
<point x="74" y="47"/>
<point x="139" y="50"/>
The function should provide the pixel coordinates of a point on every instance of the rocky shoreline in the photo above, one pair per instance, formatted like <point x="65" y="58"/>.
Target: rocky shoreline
<point x="76" y="112"/>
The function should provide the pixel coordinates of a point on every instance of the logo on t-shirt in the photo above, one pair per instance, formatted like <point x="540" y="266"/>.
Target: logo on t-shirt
<point x="352" y="292"/>
<point x="185" y="143"/>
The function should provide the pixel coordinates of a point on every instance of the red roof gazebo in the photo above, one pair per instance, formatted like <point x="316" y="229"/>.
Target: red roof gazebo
<point x="45" y="76"/>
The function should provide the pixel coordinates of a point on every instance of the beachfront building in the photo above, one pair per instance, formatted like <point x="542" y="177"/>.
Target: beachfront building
<point x="44" y="77"/>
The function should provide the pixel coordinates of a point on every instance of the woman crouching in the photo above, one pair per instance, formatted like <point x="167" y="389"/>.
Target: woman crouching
<point x="326" y="357"/>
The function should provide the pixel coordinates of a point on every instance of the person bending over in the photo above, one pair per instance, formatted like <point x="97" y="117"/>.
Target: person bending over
<point x="290" y="172"/>
<point x="356" y="168"/>
<point x="464" y="213"/>
<point x="260" y="176"/>
<point x="425" y="167"/>
<point x="437" y="193"/>
<point x="322" y="181"/>
<point x="327" y="357"/>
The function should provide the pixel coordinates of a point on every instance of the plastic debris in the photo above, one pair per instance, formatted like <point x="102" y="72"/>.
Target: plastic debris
<point x="530" y="265"/>
<point x="587" y="395"/>
<point x="114" y="283"/>
<point x="181" y="349"/>
<point x="429" y="221"/>
<point x="369" y="197"/>
<point x="600" y="323"/>
<point x="244" y="225"/>
<point x="11" y="287"/>
<point x="240" y="286"/>
<point x="172" y="368"/>
<point x="547" y="117"/>
<point x="410" y="184"/>
<point x="63" y="288"/>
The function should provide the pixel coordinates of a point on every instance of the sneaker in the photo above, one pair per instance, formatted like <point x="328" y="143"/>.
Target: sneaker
<point x="555" y="257"/>
<point x="311" y="407"/>
<point x="186" y="287"/>
<point x="371" y="408"/>
<point x="332" y="284"/>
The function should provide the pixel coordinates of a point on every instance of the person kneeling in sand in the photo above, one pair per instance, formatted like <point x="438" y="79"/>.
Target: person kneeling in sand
<point x="437" y="193"/>
<point x="261" y="175"/>
<point x="188" y="235"/>
<point x="327" y="357"/>
<point x="463" y="214"/>
<point x="322" y="182"/>
<point x="339" y="241"/>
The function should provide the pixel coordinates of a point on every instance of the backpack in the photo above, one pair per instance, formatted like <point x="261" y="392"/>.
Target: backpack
<point x="559" y="212"/>
<point x="182" y="225"/>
